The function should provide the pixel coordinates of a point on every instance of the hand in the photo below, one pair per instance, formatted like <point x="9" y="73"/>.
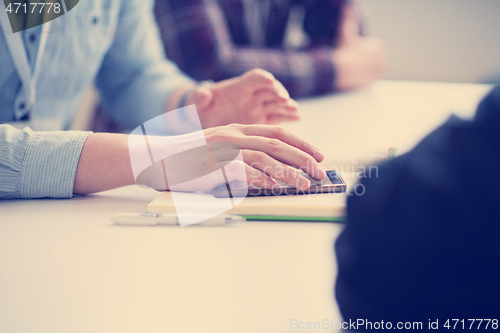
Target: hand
<point x="358" y="63"/>
<point x="358" y="60"/>
<point x="269" y="151"/>
<point x="252" y="153"/>
<point x="255" y="97"/>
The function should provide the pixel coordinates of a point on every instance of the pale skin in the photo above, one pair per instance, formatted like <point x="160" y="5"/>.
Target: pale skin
<point x="225" y="109"/>
<point x="252" y="98"/>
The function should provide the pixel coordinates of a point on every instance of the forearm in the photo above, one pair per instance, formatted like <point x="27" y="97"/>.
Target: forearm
<point x="104" y="164"/>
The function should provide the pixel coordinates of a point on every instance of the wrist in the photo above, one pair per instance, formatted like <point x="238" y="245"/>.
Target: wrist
<point x="189" y="96"/>
<point x="104" y="164"/>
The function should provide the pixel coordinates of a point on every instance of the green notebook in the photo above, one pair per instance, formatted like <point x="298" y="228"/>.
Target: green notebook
<point x="328" y="207"/>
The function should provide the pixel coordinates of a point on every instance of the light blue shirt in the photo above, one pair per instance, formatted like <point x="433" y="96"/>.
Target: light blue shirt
<point x="114" y="43"/>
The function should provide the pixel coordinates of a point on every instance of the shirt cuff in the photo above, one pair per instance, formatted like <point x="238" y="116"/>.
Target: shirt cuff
<point x="50" y="163"/>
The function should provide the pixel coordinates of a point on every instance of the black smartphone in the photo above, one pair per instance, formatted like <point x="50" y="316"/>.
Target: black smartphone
<point x="332" y="183"/>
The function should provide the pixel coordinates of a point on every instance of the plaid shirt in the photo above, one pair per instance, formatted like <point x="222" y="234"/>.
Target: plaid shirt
<point x="220" y="39"/>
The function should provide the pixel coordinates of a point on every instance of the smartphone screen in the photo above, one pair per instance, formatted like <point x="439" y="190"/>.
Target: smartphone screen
<point x="332" y="183"/>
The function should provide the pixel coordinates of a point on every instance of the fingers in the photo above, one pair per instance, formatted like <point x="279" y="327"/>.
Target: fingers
<point x="276" y="114"/>
<point x="279" y="103"/>
<point x="201" y="96"/>
<point x="283" y="135"/>
<point x="265" y="166"/>
<point x="275" y="119"/>
<point x="257" y="79"/>
<point x="285" y="153"/>
<point x="268" y="105"/>
<point x="269" y="95"/>
<point x="260" y="169"/>
<point x="258" y="178"/>
<point x="288" y="111"/>
<point x="280" y="89"/>
<point x="291" y="108"/>
<point x="237" y="170"/>
<point x="274" y="141"/>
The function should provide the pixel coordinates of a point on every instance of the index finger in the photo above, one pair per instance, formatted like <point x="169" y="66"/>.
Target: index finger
<point x="258" y="79"/>
<point x="280" y="89"/>
<point x="276" y="132"/>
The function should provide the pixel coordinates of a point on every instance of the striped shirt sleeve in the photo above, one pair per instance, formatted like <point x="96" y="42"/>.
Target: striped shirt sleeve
<point x="38" y="164"/>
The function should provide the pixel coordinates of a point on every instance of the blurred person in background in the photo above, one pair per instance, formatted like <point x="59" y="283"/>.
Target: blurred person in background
<point x="44" y="70"/>
<point x="421" y="245"/>
<point x="219" y="39"/>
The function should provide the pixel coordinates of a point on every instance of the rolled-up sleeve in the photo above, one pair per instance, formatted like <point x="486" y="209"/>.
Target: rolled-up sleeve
<point x="38" y="164"/>
<point x="135" y="78"/>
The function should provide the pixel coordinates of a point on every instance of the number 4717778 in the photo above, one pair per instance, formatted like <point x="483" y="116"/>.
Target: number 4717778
<point x="36" y="7"/>
<point x="471" y="323"/>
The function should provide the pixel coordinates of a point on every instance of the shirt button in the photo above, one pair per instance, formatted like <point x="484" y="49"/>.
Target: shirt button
<point x="22" y="106"/>
<point x="95" y="20"/>
<point x="32" y="38"/>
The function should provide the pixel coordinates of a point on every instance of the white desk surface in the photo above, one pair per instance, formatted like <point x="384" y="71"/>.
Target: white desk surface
<point x="65" y="268"/>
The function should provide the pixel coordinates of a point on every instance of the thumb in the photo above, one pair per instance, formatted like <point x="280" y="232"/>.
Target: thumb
<point x="202" y="97"/>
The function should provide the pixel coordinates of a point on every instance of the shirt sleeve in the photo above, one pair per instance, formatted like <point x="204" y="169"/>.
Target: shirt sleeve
<point x="135" y="78"/>
<point x="197" y="38"/>
<point x="38" y="164"/>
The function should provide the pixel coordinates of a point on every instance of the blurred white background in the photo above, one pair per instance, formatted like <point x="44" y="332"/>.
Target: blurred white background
<point x="439" y="40"/>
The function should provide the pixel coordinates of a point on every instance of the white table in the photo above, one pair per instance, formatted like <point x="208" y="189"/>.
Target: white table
<point x="65" y="268"/>
<point x="364" y="124"/>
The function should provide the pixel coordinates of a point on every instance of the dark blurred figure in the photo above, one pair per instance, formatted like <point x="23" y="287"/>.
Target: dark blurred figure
<point x="423" y="242"/>
<point x="218" y="39"/>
